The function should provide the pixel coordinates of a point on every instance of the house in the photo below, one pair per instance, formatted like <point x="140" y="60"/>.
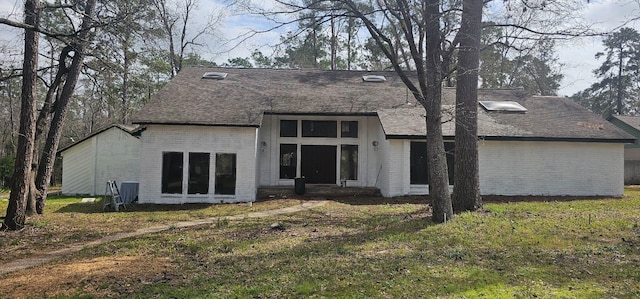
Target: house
<point x="218" y="134"/>
<point x="112" y="153"/>
<point x="631" y="125"/>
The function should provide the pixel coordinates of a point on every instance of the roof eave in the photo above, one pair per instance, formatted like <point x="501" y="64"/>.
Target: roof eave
<point x="130" y="132"/>
<point x="524" y="138"/>
<point x="323" y="113"/>
<point x="196" y="124"/>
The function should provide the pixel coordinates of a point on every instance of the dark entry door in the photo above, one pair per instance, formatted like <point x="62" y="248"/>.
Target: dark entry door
<point x="318" y="163"/>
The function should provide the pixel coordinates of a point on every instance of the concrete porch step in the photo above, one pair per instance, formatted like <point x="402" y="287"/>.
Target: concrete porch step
<point x="315" y="191"/>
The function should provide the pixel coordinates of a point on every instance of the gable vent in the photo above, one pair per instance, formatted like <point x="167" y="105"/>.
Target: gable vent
<point x="214" y="75"/>
<point x="503" y="106"/>
<point x="374" y="78"/>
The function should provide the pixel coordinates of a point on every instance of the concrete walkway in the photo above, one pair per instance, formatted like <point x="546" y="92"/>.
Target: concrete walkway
<point x="41" y="259"/>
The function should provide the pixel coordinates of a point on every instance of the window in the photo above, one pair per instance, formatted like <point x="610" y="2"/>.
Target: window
<point x="172" y="172"/>
<point x="320" y="128"/>
<point x="288" y="128"/>
<point x="419" y="174"/>
<point x="225" y="174"/>
<point x="288" y="160"/>
<point x="349" y="162"/>
<point x="198" y="173"/>
<point x="349" y="129"/>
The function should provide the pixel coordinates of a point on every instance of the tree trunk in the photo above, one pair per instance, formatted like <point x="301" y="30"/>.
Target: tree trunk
<point x="334" y="44"/>
<point x="125" y="86"/>
<point x="16" y="210"/>
<point x="32" y="193"/>
<point x="438" y="177"/>
<point x="619" y="105"/>
<point x="466" y="187"/>
<point x="47" y="159"/>
<point x="42" y="125"/>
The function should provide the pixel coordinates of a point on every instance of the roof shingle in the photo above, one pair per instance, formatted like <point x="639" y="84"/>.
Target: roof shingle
<point x="245" y="95"/>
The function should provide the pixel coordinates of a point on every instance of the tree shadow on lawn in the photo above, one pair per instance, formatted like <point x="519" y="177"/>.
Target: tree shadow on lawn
<point x="373" y="200"/>
<point x="386" y="259"/>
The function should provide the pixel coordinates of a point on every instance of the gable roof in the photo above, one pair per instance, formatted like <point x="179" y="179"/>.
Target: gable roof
<point x="131" y="130"/>
<point x="245" y="95"/>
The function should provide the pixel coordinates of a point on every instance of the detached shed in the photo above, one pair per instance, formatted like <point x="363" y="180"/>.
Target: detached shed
<point x="112" y="153"/>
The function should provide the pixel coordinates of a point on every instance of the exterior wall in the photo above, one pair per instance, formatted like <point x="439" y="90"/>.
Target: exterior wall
<point x="157" y="139"/>
<point x="631" y="172"/>
<point x="551" y="168"/>
<point x="506" y="167"/>
<point x="110" y="155"/>
<point x="395" y="168"/>
<point x="376" y="154"/>
<point x="631" y="165"/>
<point x="117" y="158"/>
<point x="267" y="152"/>
<point x="78" y="168"/>
<point x="404" y="150"/>
<point x="520" y="168"/>
<point x="269" y="140"/>
<point x="631" y="153"/>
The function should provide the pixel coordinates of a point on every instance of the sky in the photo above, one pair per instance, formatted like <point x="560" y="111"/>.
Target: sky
<point x="576" y="56"/>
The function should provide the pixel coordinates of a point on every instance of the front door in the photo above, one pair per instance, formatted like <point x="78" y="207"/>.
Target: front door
<point x="318" y="163"/>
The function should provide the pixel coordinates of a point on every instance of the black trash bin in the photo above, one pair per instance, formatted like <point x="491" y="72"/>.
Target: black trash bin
<point x="300" y="186"/>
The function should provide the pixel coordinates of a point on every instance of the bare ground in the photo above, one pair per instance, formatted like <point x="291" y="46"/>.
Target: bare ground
<point x="56" y="280"/>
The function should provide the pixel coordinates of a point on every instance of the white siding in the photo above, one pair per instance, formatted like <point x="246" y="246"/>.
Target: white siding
<point x="157" y="139"/>
<point x="117" y="158"/>
<point x="109" y="155"/>
<point x="551" y="168"/>
<point x="78" y="168"/>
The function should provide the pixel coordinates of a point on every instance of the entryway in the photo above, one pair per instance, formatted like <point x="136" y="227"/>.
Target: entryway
<point x="318" y="163"/>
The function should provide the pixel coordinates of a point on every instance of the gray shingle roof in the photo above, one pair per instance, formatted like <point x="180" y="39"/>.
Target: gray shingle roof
<point x="246" y="94"/>
<point x="242" y="97"/>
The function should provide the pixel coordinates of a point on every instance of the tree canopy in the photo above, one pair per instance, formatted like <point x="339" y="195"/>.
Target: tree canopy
<point x="619" y="74"/>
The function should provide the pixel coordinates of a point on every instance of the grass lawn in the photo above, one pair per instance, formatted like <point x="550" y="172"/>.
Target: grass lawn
<point x="345" y="249"/>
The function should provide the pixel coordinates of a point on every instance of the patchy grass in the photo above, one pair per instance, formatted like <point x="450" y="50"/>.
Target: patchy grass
<point x="67" y="220"/>
<point x="572" y="249"/>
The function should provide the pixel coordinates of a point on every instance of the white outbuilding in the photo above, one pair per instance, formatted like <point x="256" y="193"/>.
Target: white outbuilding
<point x="112" y="153"/>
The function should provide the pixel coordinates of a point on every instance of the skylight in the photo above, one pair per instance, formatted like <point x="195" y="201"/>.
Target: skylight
<point x="504" y="106"/>
<point x="214" y="75"/>
<point x="373" y="78"/>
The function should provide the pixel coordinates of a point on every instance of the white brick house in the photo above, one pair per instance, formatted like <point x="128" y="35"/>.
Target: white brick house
<point x="220" y="137"/>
